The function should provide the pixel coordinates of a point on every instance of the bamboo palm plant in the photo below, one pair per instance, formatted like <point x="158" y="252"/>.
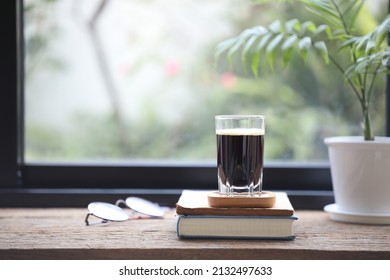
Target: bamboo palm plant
<point x="369" y="53"/>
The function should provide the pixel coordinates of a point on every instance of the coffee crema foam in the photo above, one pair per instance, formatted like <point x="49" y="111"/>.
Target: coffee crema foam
<point x="240" y="131"/>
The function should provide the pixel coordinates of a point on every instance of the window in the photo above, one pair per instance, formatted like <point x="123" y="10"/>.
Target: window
<point x="135" y="80"/>
<point x="85" y="149"/>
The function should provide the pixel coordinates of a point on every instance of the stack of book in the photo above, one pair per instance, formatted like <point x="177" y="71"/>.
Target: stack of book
<point x="196" y="219"/>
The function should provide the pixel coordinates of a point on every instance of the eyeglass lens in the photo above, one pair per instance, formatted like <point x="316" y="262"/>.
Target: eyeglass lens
<point x="110" y="212"/>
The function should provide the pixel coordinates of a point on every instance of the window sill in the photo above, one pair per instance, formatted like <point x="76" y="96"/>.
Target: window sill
<point x="60" y="233"/>
<point x="76" y="197"/>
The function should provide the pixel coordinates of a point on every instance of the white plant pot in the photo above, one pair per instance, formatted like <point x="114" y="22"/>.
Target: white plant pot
<point x="361" y="178"/>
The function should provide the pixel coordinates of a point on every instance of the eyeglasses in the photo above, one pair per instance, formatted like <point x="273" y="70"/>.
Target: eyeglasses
<point x="110" y="212"/>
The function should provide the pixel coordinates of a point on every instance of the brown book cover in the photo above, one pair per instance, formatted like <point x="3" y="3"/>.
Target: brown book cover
<point x="196" y="203"/>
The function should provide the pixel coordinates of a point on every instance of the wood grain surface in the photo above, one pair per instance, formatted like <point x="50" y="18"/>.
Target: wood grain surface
<point x="62" y="234"/>
<point x="266" y="200"/>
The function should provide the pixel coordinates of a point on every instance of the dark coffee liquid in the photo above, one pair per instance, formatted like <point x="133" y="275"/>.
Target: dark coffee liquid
<point x="240" y="161"/>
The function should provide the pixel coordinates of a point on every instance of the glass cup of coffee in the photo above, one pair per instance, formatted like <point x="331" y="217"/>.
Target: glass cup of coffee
<point x="240" y="146"/>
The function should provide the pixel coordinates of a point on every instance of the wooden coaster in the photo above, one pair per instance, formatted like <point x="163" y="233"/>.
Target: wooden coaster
<point x="265" y="200"/>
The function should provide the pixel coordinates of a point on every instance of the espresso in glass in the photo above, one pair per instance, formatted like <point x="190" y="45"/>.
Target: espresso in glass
<point x="240" y="157"/>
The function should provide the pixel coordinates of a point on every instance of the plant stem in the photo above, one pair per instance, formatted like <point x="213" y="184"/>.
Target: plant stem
<point x="363" y="99"/>
<point x="346" y="29"/>
<point x="367" y="123"/>
<point x="366" y="105"/>
<point x="351" y="84"/>
<point x="361" y="93"/>
<point x="370" y="89"/>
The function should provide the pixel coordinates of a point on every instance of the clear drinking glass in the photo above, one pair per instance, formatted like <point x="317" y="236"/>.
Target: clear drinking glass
<point x="240" y="146"/>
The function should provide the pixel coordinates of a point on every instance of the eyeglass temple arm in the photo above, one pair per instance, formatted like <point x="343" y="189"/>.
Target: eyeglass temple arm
<point x="89" y="214"/>
<point x="86" y="219"/>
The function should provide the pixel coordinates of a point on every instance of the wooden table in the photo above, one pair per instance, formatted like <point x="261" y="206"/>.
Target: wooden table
<point x="62" y="234"/>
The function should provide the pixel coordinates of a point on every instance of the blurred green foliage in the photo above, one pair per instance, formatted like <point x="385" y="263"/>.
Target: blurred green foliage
<point x="302" y="104"/>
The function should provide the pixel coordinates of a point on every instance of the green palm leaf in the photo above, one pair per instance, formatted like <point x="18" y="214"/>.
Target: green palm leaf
<point x="369" y="54"/>
<point x="288" y="47"/>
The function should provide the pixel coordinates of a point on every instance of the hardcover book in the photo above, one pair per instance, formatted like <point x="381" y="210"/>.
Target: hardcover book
<point x="196" y="219"/>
